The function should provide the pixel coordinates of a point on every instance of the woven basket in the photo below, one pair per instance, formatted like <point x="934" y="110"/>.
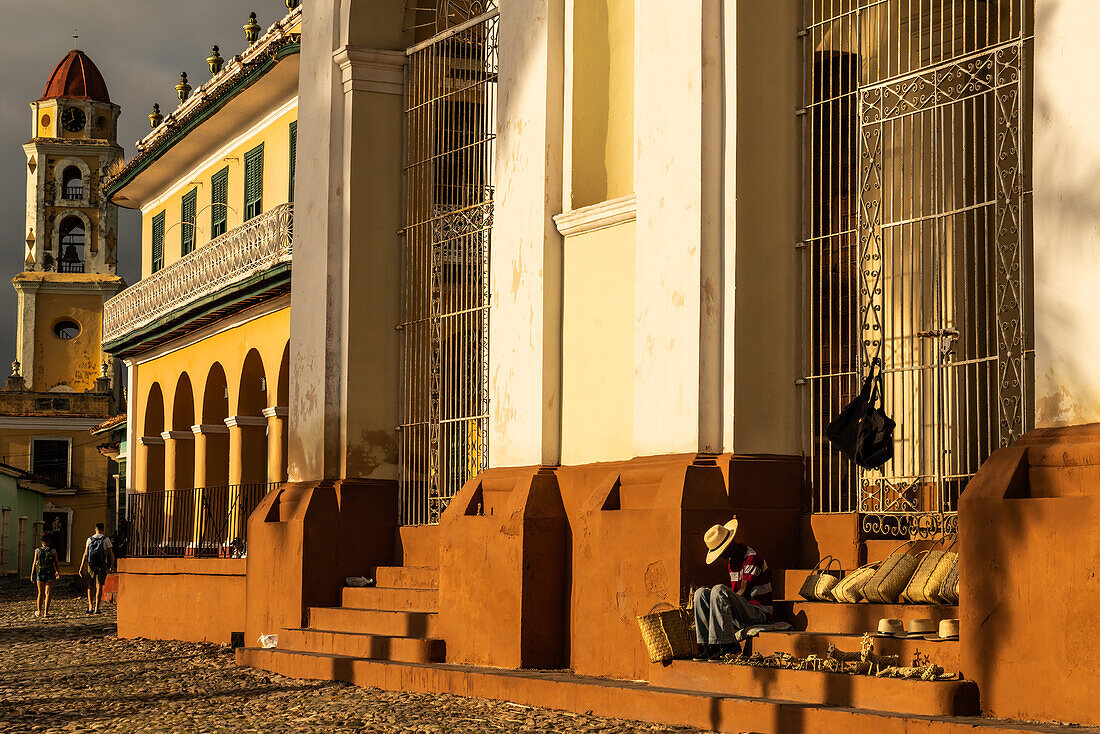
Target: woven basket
<point x="850" y="588"/>
<point x="667" y="634"/>
<point x="819" y="583"/>
<point x="948" y="592"/>
<point x="918" y="590"/>
<point x="890" y="578"/>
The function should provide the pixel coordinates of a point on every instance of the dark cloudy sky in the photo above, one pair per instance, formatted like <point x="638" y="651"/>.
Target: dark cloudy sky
<point x="140" y="46"/>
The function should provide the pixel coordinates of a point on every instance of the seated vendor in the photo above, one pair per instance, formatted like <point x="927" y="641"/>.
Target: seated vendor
<point x="722" y="610"/>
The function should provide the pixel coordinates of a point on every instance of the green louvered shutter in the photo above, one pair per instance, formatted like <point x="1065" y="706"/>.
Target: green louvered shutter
<point x="219" y="201"/>
<point x="293" y="156"/>
<point x="158" y="242"/>
<point x="254" y="182"/>
<point x="187" y="221"/>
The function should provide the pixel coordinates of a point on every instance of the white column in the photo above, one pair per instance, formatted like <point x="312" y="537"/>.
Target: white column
<point x="676" y="237"/>
<point x="1066" y="217"/>
<point x="525" y="277"/>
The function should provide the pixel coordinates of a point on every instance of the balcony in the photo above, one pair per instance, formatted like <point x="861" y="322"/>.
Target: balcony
<point x="229" y="272"/>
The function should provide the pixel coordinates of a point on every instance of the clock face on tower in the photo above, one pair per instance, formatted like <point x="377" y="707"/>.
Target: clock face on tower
<point x="73" y="119"/>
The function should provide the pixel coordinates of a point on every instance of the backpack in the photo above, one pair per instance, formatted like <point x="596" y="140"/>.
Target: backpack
<point x="44" y="558"/>
<point x="97" y="553"/>
<point x="863" y="432"/>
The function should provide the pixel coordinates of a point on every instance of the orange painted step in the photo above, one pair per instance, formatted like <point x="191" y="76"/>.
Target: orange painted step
<point x="391" y="600"/>
<point x="407" y="577"/>
<point x="626" y="699"/>
<point x="373" y="621"/>
<point x="374" y="647"/>
<point x="854" y="619"/>
<point x="800" y="644"/>
<point x="927" y="698"/>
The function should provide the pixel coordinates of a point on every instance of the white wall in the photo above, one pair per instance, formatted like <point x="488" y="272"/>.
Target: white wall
<point x="1066" y="214"/>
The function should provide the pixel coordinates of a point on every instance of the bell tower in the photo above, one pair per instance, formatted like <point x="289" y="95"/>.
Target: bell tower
<point x="71" y="230"/>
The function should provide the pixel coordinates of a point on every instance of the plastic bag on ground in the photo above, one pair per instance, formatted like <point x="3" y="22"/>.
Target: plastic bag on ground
<point x="269" y="640"/>
<point x="359" y="581"/>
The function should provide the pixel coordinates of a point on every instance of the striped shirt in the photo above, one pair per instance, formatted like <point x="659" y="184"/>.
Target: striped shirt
<point x="753" y="570"/>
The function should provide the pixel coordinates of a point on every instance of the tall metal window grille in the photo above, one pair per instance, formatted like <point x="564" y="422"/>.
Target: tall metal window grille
<point x="450" y="138"/>
<point x="916" y="244"/>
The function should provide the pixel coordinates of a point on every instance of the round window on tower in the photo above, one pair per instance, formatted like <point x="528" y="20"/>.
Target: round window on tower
<point x="101" y="123"/>
<point x="66" y="329"/>
<point x="45" y="120"/>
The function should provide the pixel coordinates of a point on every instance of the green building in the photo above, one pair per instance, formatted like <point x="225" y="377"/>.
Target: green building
<point x="21" y="508"/>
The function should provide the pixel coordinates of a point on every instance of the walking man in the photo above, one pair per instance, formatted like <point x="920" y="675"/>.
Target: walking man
<point x="44" y="571"/>
<point x="722" y="610"/>
<point x="99" y="559"/>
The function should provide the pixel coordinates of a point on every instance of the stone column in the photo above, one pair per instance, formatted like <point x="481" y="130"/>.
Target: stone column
<point x="1066" y="369"/>
<point x="211" y="458"/>
<point x="247" y="464"/>
<point x="246" y="435"/>
<point x="151" y="478"/>
<point x="526" y="265"/>
<point x="276" y="443"/>
<point x="179" y="469"/>
<point x="210" y="468"/>
<point x="179" y="460"/>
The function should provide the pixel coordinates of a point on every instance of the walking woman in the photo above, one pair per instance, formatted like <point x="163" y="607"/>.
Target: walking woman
<point x="45" y="571"/>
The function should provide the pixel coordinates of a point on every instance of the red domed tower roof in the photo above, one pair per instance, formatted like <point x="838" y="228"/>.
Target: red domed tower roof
<point x="76" y="77"/>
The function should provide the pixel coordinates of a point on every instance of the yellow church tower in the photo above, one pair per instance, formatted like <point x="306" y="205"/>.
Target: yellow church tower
<point x="69" y="269"/>
<point x="62" y="384"/>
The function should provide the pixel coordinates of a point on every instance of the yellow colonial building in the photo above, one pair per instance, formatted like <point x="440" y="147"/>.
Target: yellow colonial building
<point x="205" y="333"/>
<point x="62" y="383"/>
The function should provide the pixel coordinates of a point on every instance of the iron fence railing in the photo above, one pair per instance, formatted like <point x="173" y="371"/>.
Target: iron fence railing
<point x="201" y="521"/>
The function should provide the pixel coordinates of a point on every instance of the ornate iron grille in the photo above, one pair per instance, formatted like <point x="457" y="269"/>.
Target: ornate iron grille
<point x="431" y="17"/>
<point x="916" y="244"/>
<point x="450" y="137"/>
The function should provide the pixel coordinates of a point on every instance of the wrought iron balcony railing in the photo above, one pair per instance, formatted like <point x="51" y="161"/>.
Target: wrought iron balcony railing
<point x="255" y="246"/>
<point x="210" y="521"/>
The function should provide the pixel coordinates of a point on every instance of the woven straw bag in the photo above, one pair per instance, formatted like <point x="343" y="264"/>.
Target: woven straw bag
<point x="667" y="634"/>
<point x="924" y="587"/>
<point x="850" y="588"/>
<point x="819" y="583"/>
<point x="948" y="592"/>
<point x="890" y="578"/>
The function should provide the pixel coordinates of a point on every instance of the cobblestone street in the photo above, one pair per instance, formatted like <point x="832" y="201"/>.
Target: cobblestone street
<point x="71" y="673"/>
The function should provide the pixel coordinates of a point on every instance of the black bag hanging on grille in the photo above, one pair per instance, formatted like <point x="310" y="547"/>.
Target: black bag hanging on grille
<point x="863" y="432"/>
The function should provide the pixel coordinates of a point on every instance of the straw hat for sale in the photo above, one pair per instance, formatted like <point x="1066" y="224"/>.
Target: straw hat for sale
<point x="949" y="630"/>
<point x="890" y="628"/>
<point x="921" y="627"/>
<point x="718" y="538"/>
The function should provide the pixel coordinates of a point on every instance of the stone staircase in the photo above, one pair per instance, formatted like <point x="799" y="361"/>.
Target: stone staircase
<point x="387" y="637"/>
<point x="395" y="620"/>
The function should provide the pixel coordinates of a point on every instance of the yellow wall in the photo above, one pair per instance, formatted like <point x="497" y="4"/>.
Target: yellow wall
<point x="276" y="141"/>
<point x="598" y="346"/>
<point x="603" y="101"/>
<point x="74" y="362"/>
<point x="269" y="335"/>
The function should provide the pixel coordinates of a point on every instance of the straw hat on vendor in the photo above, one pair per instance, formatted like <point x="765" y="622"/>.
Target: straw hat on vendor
<point x="719" y="538"/>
